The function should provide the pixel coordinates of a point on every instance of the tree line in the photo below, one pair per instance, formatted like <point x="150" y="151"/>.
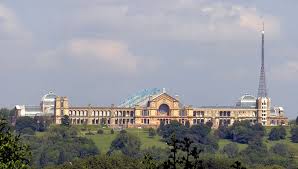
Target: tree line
<point x="194" y="146"/>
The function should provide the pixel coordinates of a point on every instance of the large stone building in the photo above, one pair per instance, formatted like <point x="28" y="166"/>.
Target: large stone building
<point x="149" y="107"/>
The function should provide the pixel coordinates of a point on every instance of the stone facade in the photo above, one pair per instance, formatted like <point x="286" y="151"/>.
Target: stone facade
<point x="163" y="107"/>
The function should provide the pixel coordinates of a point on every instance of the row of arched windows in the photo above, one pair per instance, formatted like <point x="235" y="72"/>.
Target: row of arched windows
<point x="124" y="114"/>
<point x="85" y="113"/>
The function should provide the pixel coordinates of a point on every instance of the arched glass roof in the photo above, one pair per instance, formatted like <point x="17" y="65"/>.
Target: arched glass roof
<point x="247" y="100"/>
<point x="140" y="98"/>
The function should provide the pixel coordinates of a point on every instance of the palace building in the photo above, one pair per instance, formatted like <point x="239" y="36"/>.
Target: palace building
<point x="148" y="108"/>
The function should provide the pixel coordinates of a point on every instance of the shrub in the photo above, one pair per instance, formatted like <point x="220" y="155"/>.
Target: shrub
<point x="151" y="132"/>
<point x="231" y="150"/>
<point x="100" y="131"/>
<point x="277" y="133"/>
<point x="127" y="143"/>
<point x="112" y="131"/>
<point x="294" y="133"/>
<point x="89" y="134"/>
<point x="280" y="149"/>
<point x="28" y="131"/>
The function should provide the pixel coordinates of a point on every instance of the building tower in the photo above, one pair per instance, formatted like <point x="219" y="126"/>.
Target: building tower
<point x="262" y="91"/>
<point x="263" y="101"/>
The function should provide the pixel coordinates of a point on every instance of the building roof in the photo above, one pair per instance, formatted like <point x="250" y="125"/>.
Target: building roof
<point x="247" y="100"/>
<point x="141" y="98"/>
<point x="49" y="97"/>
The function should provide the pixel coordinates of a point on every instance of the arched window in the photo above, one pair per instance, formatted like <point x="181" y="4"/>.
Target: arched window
<point x="164" y="109"/>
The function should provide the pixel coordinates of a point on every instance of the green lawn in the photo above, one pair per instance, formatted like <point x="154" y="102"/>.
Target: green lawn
<point x="223" y="142"/>
<point x="103" y="141"/>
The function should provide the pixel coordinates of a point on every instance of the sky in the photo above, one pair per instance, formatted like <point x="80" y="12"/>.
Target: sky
<point x="100" y="52"/>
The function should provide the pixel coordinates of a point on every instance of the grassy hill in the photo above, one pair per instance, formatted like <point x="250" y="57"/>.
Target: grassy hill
<point x="103" y="141"/>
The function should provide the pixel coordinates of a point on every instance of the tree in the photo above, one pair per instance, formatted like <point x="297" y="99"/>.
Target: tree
<point x="231" y="150"/>
<point x="173" y="128"/>
<point x="187" y="124"/>
<point x="65" y="121"/>
<point x="6" y="113"/>
<point x="297" y="120"/>
<point x="209" y="124"/>
<point x="58" y="145"/>
<point x="61" y="158"/>
<point x="161" y="127"/>
<point x="13" y="153"/>
<point x="43" y="122"/>
<point x="244" y="131"/>
<point x="151" y="132"/>
<point x="256" y="151"/>
<point x="25" y="122"/>
<point x="277" y="133"/>
<point x="223" y="132"/>
<point x="100" y="131"/>
<point x="294" y="132"/>
<point x="280" y="149"/>
<point x="127" y="143"/>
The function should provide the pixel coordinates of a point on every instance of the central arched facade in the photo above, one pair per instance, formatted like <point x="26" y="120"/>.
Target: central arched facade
<point x="164" y="109"/>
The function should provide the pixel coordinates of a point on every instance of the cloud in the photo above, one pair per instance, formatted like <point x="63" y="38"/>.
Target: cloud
<point x="15" y="41"/>
<point x="178" y="20"/>
<point x="108" y="53"/>
<point x="10" y="27"/>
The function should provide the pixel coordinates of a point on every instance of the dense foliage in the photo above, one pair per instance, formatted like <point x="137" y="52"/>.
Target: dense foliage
<point x="127" y="143"/>
<point x="294" y="132"/>
<point x="151" y="132"/>
<point x="65" y="146"/>
<point x="277" y="133"/>
<point x="58" y="145"/>
<point x="6" y="113"/>
<point x="13" y="153"/>
<point x="231" y="150"/>
<point x="65" y="121"/>
<point x="103" y="161"/>
<point x="26" y="125"/>
<point x="280" y="149"/>
<point x="241" y="131"/>
<point x="200" y="135"/>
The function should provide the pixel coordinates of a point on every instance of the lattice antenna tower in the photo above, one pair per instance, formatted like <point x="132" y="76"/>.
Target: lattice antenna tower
<point x="262" y="91"/>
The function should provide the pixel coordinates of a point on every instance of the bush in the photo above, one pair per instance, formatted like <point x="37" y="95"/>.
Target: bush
<point x="112" y="131"/>
<point x="231" y="150"/>
<point x="242" y="131"/>
<point x="127" y="143"/>
<point x="280" y="149"/>
<point x="100" y="131"/>
<point x="294" y="132"/>
<point x="89" y="134"/>
<point x="25" y="122"/>
<point x="28" y="131"/>
<point x="277" y="133"/>
<point x="151" y="132"/>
